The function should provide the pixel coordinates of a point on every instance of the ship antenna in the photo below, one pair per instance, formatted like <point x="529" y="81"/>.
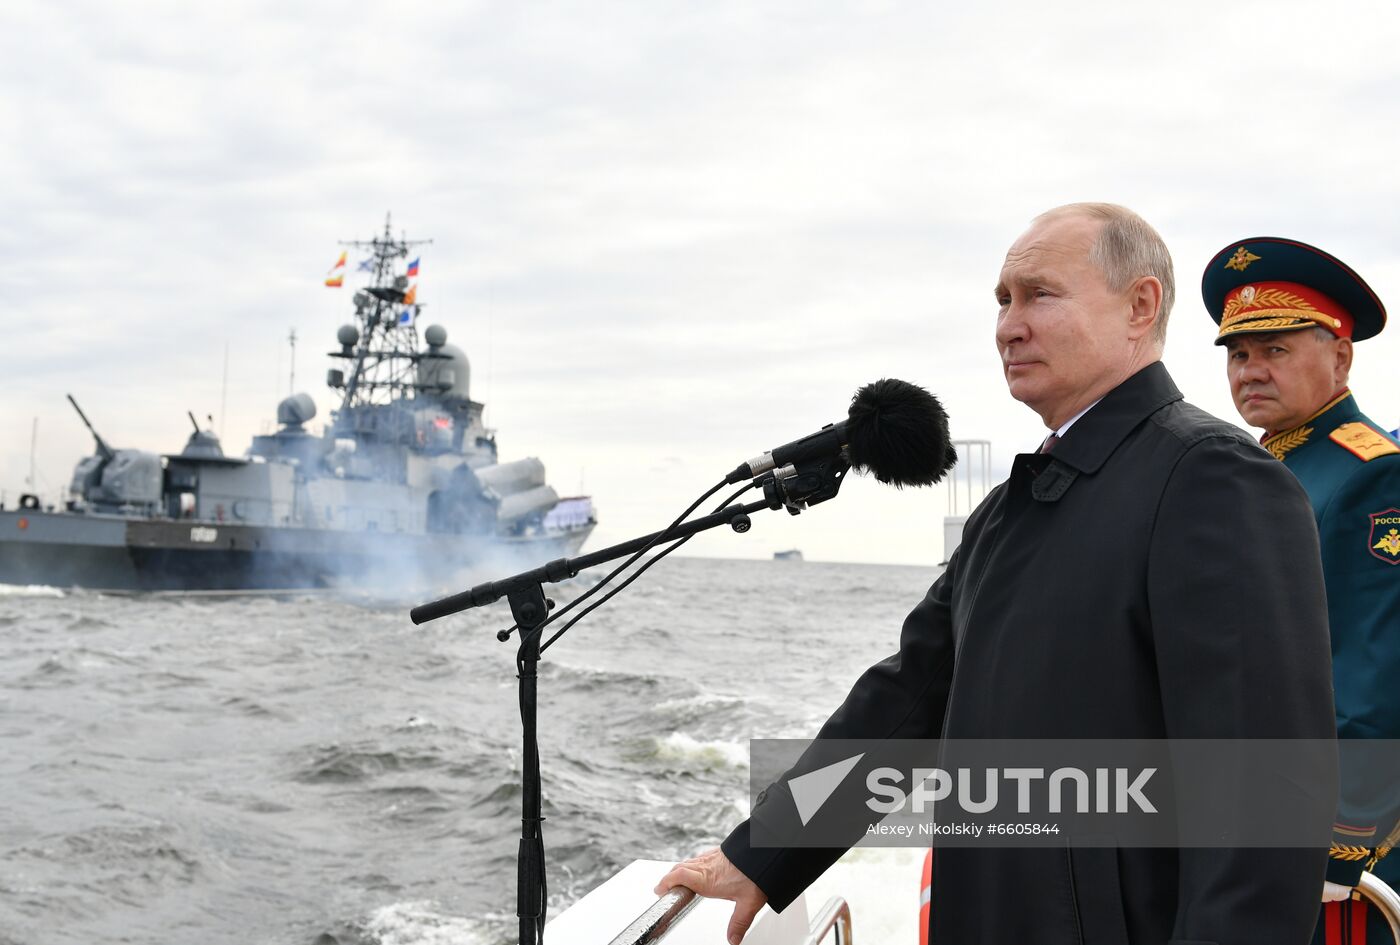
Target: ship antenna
<point x="33" y="449"/>
<point x="223" y="394"/>
<point x="385" y="356"/>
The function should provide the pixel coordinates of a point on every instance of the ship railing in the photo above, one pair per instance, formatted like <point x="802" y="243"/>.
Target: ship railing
<point x="835" y="916"/>
<point x="653" y="924"/>
<point x="662" y="916"/>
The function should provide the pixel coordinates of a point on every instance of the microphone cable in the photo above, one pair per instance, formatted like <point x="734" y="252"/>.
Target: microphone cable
<point x="642" y="570"/>
<point x="505" y="634"/>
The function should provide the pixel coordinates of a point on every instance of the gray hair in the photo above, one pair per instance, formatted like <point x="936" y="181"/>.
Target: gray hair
<point x="1127" y="248"/>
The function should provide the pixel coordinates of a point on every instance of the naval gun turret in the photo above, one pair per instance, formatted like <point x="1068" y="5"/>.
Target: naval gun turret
<point x="114" y="480"/>
<point x="202" y="444"/>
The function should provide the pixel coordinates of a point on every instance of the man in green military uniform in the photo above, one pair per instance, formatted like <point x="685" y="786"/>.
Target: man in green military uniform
<point x="1289" y="314"/>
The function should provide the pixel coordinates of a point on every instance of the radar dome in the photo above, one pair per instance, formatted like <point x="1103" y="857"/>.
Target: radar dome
<point x="347" y="335"/>
<point x="450" y="374"/>
<point x="295" y="410"/>
<point x="435" y="336"/>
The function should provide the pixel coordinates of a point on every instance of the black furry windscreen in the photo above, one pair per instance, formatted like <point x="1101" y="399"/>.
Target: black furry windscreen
<point x="899" y="432"/>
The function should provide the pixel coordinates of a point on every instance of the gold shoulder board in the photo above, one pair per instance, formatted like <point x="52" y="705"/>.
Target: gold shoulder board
<point x="1362" y="441"/>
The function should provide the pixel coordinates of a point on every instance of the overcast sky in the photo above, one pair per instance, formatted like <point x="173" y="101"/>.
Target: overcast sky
<point x="668" y="235"/>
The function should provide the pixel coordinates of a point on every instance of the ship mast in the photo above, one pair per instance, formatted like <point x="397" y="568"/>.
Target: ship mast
<point x="386" y="352"/>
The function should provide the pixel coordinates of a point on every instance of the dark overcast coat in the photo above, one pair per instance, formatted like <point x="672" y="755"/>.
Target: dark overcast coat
<point x="1156" y="577"/>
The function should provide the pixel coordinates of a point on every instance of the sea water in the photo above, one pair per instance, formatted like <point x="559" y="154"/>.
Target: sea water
<point x="313" y="769"/>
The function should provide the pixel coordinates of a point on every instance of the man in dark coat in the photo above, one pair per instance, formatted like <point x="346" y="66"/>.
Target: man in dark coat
<point x="1151" y="573"/>
<point x="1289" y="314"/>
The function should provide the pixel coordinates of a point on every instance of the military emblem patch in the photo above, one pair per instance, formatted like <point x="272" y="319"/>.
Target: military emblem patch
<point x="1241" y="260"/>
<point x="1384" y="542"/>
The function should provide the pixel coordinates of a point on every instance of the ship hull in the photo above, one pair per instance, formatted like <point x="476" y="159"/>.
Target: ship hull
<point x="100" y="552"/>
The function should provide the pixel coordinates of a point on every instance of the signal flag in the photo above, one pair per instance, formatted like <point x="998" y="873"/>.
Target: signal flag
<point x="336" y="277"/>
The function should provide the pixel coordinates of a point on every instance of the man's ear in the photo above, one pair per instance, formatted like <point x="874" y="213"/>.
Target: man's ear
<point x="1145" y="301"/>
<point x="1341" y="368"/>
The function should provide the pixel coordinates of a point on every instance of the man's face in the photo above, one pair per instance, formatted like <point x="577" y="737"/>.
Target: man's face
<point x="1061" y="330"/>
<point x="1279" y="379"/>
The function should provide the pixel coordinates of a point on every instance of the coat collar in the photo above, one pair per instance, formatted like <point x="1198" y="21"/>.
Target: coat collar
<point x="1095" y="436"/>
<point x="1340" y="409"/>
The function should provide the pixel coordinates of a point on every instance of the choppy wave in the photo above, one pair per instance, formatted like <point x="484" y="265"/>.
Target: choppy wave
<point x="239" y="704"/>
<point x="704" y="700"/>
<point x="129" y="863"/>
<point x="420" y="923"/>
<point x="338" y="764"/>
<point x="598" y="675"/>
<point x="713" y="753"/>
<point x="30" y="590"/>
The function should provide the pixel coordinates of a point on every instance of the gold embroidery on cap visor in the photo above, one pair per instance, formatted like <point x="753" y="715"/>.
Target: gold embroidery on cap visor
<point x="1256" y="310"/>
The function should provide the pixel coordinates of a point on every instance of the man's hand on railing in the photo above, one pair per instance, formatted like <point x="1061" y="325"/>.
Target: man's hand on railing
<point x="712" y="875"/>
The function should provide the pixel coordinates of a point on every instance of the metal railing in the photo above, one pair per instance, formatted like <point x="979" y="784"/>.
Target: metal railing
<point x="653" y="924"/>
<point x="1385" y="899"/>
<point x="836" y="914"/>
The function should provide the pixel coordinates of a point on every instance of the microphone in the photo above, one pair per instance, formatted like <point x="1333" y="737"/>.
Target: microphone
<point x="894" y="430"/>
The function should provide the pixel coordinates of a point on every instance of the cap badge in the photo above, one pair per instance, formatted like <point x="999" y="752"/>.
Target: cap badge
<point x="1241" y="260"/>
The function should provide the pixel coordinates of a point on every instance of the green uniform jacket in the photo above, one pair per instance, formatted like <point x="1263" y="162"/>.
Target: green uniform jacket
<point x="1350" y="468"/>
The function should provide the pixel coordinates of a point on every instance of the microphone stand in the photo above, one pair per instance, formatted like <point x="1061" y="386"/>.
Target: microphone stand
<point x="795" y="487"/>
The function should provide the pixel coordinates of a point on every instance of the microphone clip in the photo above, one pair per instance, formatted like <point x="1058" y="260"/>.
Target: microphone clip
<point x="805" y="483"/>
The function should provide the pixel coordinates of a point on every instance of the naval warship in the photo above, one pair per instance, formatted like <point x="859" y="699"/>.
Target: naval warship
<point x="402" y="488"/>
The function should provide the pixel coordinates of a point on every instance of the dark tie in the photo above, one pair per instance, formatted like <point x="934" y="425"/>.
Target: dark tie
<point x="1049" y="444"/>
